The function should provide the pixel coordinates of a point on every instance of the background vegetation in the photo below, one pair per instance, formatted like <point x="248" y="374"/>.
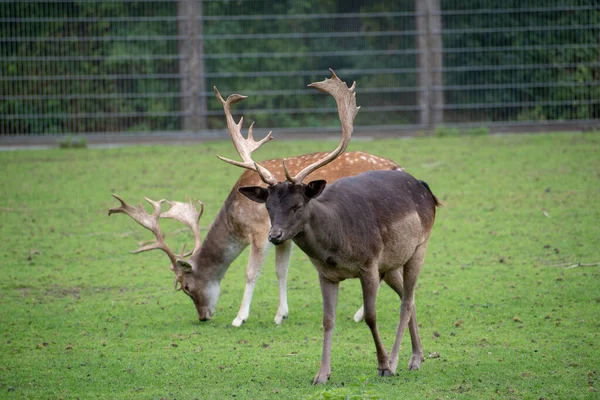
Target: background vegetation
<point x="116" y="65"/>
<point x="501" y="298"/>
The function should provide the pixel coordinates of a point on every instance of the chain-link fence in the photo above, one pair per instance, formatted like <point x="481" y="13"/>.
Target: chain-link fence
<point x="96" y="66"/>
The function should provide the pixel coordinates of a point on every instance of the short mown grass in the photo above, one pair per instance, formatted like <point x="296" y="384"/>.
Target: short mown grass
<point x="83" y="318"/>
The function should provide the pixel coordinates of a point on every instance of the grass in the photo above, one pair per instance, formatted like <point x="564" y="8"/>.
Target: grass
<point x="83" y="318"/>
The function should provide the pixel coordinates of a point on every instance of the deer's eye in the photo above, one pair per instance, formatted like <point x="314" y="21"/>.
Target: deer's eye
<point x="186" y="288"/>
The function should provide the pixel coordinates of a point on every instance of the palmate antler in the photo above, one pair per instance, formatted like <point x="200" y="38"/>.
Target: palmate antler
<point x="185" y="213"/>
<point x="346" y="103"/>
<point x="244" y="147"/>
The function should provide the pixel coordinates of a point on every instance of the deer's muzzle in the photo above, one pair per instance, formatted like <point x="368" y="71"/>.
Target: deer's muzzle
<point x="276" y="236"/>
<point x="204" y="314"/>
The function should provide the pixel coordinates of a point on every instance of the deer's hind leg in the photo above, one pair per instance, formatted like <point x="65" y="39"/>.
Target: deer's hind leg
<point x="359" y="316"/>
<point x="408" y="315"/>
<point x="395" y="281"/>
<point x="369" y="280"/>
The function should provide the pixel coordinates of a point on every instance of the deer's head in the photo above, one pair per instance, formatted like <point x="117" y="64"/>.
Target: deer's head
<point x="287" y="201"/>
<point x="204" y="293"/>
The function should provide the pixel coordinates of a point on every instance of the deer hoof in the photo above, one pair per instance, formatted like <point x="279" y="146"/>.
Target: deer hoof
<point x="393" y="366"/>
<point x="322" y="377"/>
<point x="238" y="322"/>
<point x="414" y="363"/>
<point x="280" y="318"/>
<point x="385" y="372"/>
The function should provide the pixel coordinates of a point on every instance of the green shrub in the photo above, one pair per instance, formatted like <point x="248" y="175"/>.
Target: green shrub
<point x="72" y="142"/>
<point x="445" y="131"/>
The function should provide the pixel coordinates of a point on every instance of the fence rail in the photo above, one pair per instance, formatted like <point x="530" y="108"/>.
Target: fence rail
<point x="100" y="66"/>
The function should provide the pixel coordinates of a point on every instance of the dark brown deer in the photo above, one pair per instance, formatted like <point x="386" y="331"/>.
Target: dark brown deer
<point x="239" y="223"/>
<point x="372" y="226"/>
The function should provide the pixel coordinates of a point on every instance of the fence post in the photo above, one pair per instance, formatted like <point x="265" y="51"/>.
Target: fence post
<point x="429" y="63"/>
<point x="191" y="64"/>
<point x="435" y="49"/>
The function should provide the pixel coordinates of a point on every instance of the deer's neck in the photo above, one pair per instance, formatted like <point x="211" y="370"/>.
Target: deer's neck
<point x="339" y="231"/>
<point x="321" y="231"/>
<point x="220" y="246"/>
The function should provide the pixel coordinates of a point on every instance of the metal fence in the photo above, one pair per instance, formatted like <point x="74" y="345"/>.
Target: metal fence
<point x="96" y="66"/>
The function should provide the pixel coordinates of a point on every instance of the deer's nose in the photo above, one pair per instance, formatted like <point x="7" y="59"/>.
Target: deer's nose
<point x="275" y="236"/>
<point x="204" y="314"/>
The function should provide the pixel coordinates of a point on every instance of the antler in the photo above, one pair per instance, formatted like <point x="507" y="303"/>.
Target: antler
<point x="139" y="215"/>
<point x="187" y="214"/>
<point x="346" y="103"/>
<point x="244" y="147"/>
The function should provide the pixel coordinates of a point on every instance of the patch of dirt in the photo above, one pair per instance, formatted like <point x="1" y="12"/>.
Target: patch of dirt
<point x="55" y="292"/>
<point x="59" y="292"/>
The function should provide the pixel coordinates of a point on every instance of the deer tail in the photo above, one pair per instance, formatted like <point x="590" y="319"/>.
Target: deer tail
<point x="437" y="202"/>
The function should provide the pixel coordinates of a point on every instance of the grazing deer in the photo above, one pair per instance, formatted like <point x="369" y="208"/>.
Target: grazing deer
<point x="372" y="226"/>
<point x="239" y="223"/>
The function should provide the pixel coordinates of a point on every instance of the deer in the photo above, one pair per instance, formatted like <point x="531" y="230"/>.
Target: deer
<point x="372" y="226"/>
<point x="239" y="223"/>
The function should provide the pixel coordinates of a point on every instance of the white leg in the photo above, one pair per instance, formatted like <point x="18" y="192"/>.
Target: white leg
<point x="258" y="253"/>
<point x="360" y="314"/>
<point x="282" y="262"/>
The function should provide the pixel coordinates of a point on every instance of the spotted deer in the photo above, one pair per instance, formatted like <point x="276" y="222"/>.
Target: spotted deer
<point x="372" y="226"/>
<point x="239" y="223"/>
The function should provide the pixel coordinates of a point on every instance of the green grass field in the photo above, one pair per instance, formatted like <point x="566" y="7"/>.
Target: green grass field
<point x="83" y="318"/>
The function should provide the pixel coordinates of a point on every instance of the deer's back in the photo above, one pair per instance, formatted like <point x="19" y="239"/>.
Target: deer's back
<point x="348" y="164"/>
<point x="248" y="218"/>
<point x="382" y="196"/>
<point x="382" y="215"/>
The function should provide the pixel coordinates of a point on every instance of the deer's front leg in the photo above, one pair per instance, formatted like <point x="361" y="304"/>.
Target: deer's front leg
<point x="282" y="262"/>
<point x="258" y="253"/>
<point x="329" y="291"/>
<point x="369" y="279"/>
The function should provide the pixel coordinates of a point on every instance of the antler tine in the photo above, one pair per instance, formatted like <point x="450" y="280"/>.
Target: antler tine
<point x="188" y="214"/>
<point x="150" y="222"/>
<point x="346" y="103"/>
<point x="244" y="147"/>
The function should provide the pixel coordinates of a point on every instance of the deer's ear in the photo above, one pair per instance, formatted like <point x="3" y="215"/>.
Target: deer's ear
<point x="255" y="193"/>
<point x="184" y="266"/>
<point x="314" y="188"/>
